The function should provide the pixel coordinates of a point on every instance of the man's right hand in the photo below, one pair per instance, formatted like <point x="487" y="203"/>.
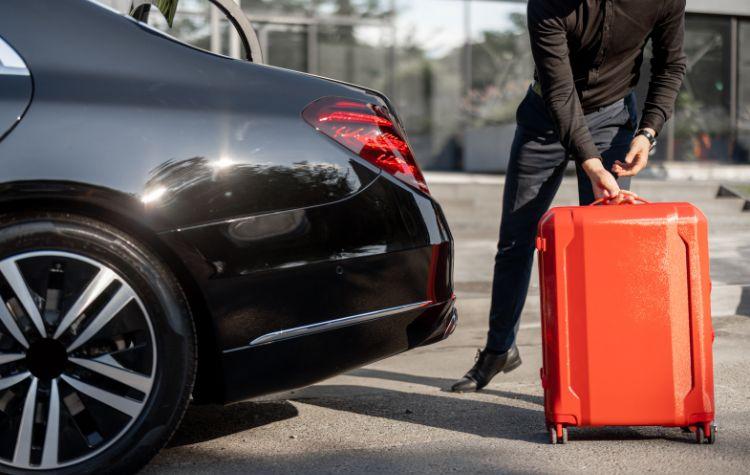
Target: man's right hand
<point x="603" y="182"/>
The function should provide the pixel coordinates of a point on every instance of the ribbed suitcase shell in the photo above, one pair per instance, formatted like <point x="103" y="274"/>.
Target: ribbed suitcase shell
<point x="626" y="317"/>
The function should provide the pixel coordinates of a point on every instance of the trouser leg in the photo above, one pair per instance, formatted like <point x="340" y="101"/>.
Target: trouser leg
<point x="535" y="171"/>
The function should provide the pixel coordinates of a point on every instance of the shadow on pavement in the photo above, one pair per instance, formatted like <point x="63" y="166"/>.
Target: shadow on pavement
<point x="204" y="423"/>
<point x="597" y="434"/>
<point x="492" y="419"/>
<point x="485" y="419"/>
<point x="499" y="415"/>
<point x="440" y="383"/>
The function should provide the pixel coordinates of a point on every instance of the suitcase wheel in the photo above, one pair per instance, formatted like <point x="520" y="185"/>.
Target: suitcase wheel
<point x="558" y="434"/>
<point x="705" y="434"/>
<point x="700" y="435"/>
<point x="711" y="435"/>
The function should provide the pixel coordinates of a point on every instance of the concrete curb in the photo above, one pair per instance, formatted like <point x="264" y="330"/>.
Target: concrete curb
<point x="730" y="300"/>
<point x="656" y="171"/>
<point x="696" y="172"/>
<point x="462" y="178"/>
<point x="729" y="192"/>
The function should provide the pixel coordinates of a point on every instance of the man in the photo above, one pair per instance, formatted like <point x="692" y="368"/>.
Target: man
<point x="581" y="106"/>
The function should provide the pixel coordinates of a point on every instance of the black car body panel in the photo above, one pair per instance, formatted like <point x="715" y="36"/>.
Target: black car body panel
<point x="268" y="224"/>
<point x="15" y="88"/>
<point x="153" y="112"/>
<point x="366" y="252"/>
<point x="15" y="95"/>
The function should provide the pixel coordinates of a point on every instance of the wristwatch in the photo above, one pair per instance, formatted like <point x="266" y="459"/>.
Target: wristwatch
<point x="651" y="138"/>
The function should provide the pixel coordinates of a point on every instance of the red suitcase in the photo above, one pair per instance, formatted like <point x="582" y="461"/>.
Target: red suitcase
<point x="626" y="318"/>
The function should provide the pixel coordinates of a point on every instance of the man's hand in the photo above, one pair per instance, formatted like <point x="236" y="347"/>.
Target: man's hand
<point x="637" y="157"/>
<point x="603" y="182"/>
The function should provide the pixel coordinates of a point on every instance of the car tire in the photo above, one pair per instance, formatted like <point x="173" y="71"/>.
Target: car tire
<point x="131" y="338"/>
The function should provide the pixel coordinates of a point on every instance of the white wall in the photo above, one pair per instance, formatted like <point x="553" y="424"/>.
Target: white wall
<point x="725" y="7"/>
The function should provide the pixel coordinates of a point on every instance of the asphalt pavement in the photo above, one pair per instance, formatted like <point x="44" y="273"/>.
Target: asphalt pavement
<point x="395" y="416"/>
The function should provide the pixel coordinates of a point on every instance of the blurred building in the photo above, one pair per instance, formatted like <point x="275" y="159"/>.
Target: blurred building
<point x="457" y="69"/>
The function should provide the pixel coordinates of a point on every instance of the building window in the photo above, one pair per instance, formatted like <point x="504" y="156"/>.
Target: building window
<point x="429" y="83"/>
<point x="702" y="121"/>
<point x="501" y="70"/>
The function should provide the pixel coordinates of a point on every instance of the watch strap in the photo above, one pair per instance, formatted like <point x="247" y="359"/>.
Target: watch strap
<point x="651" y="137"/>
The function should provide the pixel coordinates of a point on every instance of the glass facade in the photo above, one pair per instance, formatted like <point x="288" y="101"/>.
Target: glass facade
<point x="429" y="86"/>
<point x="501" y="68"/>
<point x="702" y="128"/>
<point x="457" y="69"/>
<point x="742" y="153"/>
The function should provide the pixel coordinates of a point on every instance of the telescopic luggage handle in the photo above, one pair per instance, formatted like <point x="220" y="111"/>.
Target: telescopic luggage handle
<point x="624" y="192"/>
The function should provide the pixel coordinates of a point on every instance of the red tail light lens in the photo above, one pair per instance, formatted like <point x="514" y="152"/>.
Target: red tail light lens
<point x="370" y="131"/>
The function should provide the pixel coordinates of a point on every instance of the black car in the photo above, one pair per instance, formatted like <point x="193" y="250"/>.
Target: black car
<point x="177" y="225"/>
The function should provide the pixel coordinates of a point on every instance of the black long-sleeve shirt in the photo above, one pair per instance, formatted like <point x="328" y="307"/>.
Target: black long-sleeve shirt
<point x="588" y="54"/>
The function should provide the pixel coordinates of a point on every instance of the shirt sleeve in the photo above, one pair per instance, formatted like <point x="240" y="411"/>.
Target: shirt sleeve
<point x="667" y="66"/>
<point x="549" y="46"/>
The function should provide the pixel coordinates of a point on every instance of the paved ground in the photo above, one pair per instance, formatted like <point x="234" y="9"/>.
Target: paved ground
<point x="394" y="416"/>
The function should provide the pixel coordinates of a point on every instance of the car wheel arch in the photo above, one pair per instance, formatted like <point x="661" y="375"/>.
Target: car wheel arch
<point x="207" y="388"/>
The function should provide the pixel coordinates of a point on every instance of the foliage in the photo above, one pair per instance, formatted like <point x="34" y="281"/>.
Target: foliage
<point x="168" y="8"/>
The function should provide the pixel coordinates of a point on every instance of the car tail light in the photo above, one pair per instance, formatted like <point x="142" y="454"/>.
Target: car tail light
<point x="370" y="131"/>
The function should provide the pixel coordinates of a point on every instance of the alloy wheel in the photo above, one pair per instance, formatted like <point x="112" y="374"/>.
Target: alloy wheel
<point x="77" y="359"/>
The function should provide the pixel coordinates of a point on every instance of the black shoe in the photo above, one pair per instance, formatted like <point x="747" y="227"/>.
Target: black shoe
<point x="486" y="367"/>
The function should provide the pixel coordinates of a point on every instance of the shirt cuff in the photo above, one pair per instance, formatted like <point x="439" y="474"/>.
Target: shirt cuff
<point x="652" y="120"/>
<point x="584" y="151"/>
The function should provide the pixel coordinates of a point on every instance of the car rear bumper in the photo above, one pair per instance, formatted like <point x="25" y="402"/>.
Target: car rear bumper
<point x="300" y="295"/>
<point x="303" y="360"/>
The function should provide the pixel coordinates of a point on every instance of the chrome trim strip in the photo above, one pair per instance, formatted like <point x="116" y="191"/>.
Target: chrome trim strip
<point x="332" y="324"/>
<point x="10" y="62"/>
<point x="452" y="324"/>
<point x="5" y="71"/>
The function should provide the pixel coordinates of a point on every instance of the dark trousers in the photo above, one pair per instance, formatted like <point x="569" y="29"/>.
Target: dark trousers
<point x="536" y="168"/>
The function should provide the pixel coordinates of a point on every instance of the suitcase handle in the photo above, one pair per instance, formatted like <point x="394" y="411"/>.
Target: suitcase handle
<point x="606" y="200"/>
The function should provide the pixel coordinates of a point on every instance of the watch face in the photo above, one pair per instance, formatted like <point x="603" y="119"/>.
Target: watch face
<point x="648" y="135"/>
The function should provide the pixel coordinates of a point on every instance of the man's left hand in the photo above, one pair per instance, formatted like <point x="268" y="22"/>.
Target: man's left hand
<point x="636" y="159"/>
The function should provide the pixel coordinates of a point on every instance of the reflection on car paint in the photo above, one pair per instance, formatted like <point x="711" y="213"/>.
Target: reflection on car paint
<point x="202" y="189"/>
<point x="257" y="228"/>
<point x="388" y="219"/>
